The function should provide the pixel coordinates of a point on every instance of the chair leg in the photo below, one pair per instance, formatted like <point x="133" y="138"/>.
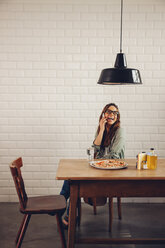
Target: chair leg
<point x="94" y="205"/>
<point x="110" y="213"/>
<point x="79" y="211"/>
<point x="119" y="207"/>
<point x="61" y="230"/>
<point x="22" y="230"/>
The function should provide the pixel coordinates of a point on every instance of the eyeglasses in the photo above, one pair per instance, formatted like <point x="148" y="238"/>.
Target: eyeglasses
<point x="112" y="112"/>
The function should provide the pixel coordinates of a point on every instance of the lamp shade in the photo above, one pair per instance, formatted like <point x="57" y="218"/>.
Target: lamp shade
<point x="120" y="74"/>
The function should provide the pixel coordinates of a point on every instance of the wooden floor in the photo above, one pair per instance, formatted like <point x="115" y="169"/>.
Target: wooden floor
<point x="138" y="220"/>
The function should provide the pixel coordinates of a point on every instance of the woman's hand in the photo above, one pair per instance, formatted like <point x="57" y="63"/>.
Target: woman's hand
<point x="100" y="134"/>
<point x="102" y="123"/>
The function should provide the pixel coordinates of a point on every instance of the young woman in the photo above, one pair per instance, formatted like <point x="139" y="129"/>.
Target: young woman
<point x="109" y="143"/>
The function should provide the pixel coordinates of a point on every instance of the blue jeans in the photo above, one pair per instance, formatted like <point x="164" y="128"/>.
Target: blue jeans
<point x="65" y="191"/>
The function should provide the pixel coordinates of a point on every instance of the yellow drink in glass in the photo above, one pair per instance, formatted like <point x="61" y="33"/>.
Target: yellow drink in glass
<point x="152" y="160"/>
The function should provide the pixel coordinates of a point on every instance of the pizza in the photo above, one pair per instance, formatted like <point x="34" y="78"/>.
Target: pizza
<point x="109" y="164"/>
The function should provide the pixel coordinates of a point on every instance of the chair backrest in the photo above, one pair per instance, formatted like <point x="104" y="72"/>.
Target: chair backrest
<point x="15" y="168"/>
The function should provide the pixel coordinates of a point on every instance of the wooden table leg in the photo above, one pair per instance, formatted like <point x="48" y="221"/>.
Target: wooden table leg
<point x="72" y="214"/>
<point x="119" y="207"/>
<point x="79" y="211"/>
<point x="110" y="213"/>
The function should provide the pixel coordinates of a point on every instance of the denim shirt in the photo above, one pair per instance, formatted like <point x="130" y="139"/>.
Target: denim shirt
<point x="116" y="148"/>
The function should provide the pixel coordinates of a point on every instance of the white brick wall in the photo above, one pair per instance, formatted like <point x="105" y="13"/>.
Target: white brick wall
<point x="51" y="56"/>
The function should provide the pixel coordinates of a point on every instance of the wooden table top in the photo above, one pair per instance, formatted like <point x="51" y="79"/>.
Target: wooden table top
<point x="79" y="169"/>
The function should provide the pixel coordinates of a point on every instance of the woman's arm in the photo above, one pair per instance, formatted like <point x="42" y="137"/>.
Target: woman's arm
<point x="99" y="137"/>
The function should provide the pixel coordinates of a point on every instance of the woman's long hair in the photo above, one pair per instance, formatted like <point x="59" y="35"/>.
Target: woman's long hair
<point x="107" y="136"/>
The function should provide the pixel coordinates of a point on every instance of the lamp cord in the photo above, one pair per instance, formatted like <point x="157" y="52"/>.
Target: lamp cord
<point x="121" y="28"/>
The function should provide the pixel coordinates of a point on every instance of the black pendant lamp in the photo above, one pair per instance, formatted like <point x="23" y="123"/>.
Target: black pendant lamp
<point x="120" y="74"/>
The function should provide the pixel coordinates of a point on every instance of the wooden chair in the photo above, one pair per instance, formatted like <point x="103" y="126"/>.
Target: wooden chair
<point x="101" y="201"/>
<point x="52" y="205"/>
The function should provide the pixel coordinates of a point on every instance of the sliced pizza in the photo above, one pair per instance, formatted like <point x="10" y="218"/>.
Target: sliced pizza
<point x="109" y="164"/>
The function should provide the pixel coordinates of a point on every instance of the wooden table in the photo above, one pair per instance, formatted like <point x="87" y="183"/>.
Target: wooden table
<point x="86" y="181"/>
